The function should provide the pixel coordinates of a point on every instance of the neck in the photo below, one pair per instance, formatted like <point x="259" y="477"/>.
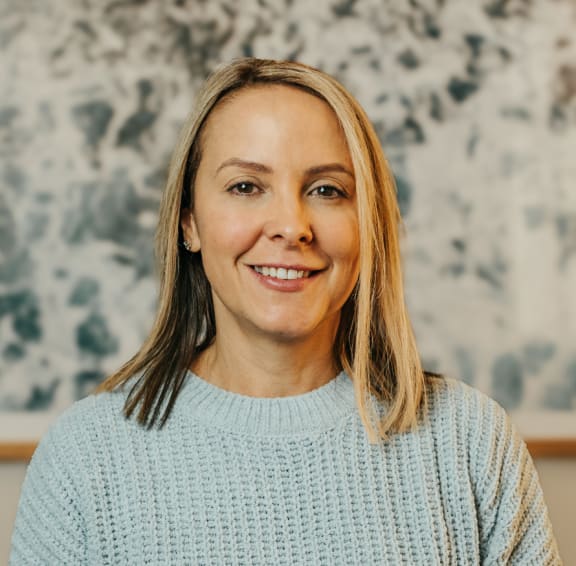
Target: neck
<point x="263" y="367"/>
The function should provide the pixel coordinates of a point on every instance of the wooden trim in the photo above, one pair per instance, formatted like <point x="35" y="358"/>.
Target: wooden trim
<point x="552" y="447"/>
<point x="539" y="448"/>
<point x="17" y="450"/>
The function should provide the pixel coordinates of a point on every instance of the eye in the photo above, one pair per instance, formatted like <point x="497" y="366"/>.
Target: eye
<point x="244" y="188"/>
<point x="328" y="192"/>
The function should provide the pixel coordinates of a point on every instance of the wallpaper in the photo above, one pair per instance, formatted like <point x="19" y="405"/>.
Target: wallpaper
<point x="475" y="107"/>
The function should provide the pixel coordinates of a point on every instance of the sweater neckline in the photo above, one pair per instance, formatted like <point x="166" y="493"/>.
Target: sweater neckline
<point x="311" y="412"/>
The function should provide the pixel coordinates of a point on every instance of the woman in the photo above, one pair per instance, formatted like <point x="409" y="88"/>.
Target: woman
<point x="282" y="414"/>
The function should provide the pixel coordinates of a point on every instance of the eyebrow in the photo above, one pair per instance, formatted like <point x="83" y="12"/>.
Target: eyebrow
<point x="261" y="168"/>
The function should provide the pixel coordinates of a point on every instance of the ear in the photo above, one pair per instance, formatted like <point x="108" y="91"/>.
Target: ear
<point x="189" y="229"/>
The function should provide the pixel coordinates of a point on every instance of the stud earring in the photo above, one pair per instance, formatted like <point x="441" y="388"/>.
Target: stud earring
<point x="188" y="246"/>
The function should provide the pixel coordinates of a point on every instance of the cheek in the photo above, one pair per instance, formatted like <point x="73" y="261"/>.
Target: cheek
<point x="227" y="232"/>
<point x="342" y="241"/>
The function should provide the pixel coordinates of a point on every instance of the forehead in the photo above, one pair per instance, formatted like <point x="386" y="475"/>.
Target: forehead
<point x="262" y="92"/>
<point x="277" y="112"/>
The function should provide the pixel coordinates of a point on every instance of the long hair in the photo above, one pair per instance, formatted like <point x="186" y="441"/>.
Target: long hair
<point x="374" y="344"/>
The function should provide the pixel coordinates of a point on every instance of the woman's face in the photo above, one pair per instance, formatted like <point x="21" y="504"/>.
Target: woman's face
<point x="275" y="214"/>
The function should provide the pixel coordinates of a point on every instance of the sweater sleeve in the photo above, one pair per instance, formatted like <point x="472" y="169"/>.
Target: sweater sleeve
<point x="49" y="525"/>
<point x="513" y="518"/>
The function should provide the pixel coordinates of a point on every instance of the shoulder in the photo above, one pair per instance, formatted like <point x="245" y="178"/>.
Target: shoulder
<point x="471" y="425"/>
<point x="68" y="453"/>
<point x="91" y="420"/>
<point x="96" y="408"/>
<point x="452" y="399"/>
<point x="476" y="435"/>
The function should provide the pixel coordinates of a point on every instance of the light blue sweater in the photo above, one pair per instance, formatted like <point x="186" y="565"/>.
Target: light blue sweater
<point x="243" y="480"/>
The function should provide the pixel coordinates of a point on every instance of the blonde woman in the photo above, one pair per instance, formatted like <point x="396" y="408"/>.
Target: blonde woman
<point x="278" y="412"/>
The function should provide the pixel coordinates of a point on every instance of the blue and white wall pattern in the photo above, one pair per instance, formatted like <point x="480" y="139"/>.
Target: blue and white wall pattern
<point x="475" y="106"/>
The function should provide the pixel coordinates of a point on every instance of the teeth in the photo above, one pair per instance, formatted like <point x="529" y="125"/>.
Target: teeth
<point x="281" y="272"/>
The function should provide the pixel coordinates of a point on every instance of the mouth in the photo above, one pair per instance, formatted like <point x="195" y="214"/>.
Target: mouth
<point x="284" y="272"/>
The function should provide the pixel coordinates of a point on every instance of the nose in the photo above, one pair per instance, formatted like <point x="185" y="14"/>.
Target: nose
<point x="288" y="220"/>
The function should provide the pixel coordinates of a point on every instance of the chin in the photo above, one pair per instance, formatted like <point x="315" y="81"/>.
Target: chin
<point x="290" y="332"/>
<point x="283" y="334"/>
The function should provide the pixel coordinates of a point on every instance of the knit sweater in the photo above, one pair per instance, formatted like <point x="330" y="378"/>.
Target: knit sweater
<point x="233" y="479"/>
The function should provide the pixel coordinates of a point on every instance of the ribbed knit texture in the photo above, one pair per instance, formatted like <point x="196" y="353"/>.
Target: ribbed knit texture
<point x="233" y="479"/>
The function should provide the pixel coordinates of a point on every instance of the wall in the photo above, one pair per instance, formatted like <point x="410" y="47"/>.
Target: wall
<point x="475" y="106"/>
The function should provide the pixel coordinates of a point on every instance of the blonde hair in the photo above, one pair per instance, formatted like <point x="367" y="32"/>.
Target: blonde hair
<point x="375" y="343"/>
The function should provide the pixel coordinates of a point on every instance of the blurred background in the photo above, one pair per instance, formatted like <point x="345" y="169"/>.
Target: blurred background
<point x="475" y="106"/>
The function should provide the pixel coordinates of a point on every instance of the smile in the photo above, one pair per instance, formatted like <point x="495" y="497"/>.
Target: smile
<point x="281" y="272"/>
